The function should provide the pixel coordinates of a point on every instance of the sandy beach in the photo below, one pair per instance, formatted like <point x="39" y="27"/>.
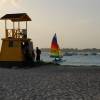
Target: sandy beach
<point x="50" y="82"/>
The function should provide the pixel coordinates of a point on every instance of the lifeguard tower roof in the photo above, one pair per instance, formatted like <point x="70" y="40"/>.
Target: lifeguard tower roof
<point x="16" y="17"/>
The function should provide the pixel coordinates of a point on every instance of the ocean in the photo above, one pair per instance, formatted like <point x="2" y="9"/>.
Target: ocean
<point x="74" y="59"/>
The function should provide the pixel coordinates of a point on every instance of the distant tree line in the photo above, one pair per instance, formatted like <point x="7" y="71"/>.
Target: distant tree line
<point x="74" y="50"/>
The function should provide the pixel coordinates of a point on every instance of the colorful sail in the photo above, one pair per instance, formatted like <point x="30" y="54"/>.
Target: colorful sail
<point x="55" y="50"/>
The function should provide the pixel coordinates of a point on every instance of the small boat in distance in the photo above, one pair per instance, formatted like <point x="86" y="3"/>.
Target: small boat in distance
<point x="55" y="51"/>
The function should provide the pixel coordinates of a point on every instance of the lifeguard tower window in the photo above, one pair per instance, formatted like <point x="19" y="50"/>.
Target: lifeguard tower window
<point x="11" y="43"/>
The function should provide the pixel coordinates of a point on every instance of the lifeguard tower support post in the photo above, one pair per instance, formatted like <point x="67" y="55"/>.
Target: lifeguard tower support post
<point x="16" y="47"/>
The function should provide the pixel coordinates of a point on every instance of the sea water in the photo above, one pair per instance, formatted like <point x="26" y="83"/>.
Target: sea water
<point x="74" y="59"/>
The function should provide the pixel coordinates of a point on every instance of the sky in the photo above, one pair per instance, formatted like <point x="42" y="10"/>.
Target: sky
<point x="76" y="22"/>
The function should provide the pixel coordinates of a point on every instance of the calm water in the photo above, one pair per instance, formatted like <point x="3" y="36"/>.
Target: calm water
<point x="75" y="59"/>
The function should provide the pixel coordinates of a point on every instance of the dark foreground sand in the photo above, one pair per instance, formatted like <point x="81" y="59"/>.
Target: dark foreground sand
<point x="50" y="82"/>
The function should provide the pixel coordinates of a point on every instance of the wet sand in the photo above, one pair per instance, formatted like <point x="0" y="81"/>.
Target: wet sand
<point x="50" y="82"/>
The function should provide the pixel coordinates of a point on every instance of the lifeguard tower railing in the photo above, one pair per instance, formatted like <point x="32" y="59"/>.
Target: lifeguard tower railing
<point x="16" y="33"/>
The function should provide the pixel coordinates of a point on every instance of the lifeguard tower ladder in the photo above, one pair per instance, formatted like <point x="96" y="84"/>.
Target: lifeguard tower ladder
<point x="16" y="47"/>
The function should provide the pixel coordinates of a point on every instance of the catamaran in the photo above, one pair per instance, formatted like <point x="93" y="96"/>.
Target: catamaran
<point x="55" y="51"/>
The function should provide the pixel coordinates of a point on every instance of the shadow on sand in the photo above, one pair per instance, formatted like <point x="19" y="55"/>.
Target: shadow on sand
<point x="26" y="65"/>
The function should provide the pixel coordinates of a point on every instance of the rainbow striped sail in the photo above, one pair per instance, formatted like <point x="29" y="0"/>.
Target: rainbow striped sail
<point x="55" y="50"/>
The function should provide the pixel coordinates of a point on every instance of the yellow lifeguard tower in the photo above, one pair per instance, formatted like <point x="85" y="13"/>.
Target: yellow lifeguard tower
<point x="16" y="46"/>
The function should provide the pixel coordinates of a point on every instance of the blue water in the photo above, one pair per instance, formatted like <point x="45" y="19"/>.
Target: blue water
<point x="75" y="59"/>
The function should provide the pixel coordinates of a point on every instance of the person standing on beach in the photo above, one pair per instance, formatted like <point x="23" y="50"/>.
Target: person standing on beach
<point x="33" y="55"/>
<point x="38" y="52"/>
